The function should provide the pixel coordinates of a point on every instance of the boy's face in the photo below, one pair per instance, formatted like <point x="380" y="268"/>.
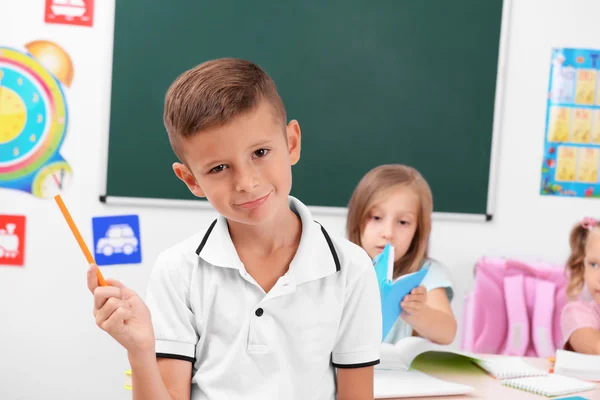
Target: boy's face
<point x="244" y="167"/>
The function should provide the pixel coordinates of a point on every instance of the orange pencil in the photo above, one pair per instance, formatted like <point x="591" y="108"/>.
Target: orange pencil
<point x="82" y="245"/>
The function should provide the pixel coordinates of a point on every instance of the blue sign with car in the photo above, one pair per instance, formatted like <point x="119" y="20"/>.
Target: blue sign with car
<point x="117" y="239"/>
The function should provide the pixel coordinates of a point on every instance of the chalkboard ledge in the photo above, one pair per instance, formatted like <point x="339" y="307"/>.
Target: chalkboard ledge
<point x="317" y="210"/>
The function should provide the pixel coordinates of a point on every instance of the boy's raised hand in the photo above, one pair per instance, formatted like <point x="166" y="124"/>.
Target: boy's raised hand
<point x="121" y="313"/>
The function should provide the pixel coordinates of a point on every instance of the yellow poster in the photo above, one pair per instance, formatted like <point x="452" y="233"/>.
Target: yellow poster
<point x="560" y="119"/>
<point x="598" y="87"/>
<point x="589" y="159"/>
<point x="586" y="86"/>
<point x="596" y="128"/>
<point x="582" y="125"/>
<point x="566" y="164"/>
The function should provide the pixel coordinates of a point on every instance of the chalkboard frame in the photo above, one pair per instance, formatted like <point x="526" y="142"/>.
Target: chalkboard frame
<point x="111" y="200"/>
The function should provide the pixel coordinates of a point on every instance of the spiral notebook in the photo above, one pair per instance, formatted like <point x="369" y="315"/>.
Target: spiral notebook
<point x="550" y="385"/>
<point x="508" y="368"/>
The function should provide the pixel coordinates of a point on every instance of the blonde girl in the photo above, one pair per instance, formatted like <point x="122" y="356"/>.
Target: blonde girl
<point x="393" y="204"/>
<point x="580" y="318"/>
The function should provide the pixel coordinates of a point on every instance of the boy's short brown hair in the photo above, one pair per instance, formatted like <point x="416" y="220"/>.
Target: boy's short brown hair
<point x="215" y="92"/>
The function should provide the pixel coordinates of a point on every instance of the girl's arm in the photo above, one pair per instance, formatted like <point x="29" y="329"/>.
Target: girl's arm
<point x="430" y="314"/>
<point x="585" y="340"/>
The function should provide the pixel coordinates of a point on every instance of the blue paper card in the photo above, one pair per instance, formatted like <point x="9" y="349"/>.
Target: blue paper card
<point x="571" y="398"/>
<point x="392" y="292"/>
<point x="117" y="240"/>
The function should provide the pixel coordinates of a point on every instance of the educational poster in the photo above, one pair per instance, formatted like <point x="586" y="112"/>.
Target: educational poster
<point x="572" y="136"/>
<point x="12" y="240"/>
<point x="34" y="118"/>
<point x="69" y="12"/>
<point x="117" y="239"/>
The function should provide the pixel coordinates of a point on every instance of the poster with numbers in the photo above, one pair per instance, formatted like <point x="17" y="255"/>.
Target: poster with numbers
<point x="572" y="136"/>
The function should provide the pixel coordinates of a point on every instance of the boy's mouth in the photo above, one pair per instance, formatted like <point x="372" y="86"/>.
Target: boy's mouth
<point x="254" y="203"/>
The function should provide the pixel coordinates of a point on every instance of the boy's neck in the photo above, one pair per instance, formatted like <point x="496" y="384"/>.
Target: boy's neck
<point x="284" y="230"/>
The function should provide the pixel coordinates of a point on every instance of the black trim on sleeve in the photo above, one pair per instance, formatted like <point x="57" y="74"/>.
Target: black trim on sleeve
<point x="361" y="365"/>
<point x="205" y="238"/>
<point x="332" y="248"/>
<point x="176" y="357"/>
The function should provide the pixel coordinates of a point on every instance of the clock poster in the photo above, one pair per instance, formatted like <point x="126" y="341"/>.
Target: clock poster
<point x="34" y="118"/>
<point x="572" y="136"/>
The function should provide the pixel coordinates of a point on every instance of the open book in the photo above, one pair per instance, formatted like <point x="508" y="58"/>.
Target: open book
<point x="393" y="291"/>
<point x="401" y="355"/>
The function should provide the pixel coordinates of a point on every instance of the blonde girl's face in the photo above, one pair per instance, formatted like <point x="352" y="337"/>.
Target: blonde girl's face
<point x="592" y="263"/>
<point x="392" y="219"/>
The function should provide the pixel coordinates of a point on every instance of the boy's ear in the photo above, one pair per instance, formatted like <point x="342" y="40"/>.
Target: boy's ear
<point x="294" y="140"/>
<point x="186" y="177"/>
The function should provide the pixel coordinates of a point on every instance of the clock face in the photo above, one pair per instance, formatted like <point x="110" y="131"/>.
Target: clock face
<point x="52" y="180"/>
<point x="33" y="115"/>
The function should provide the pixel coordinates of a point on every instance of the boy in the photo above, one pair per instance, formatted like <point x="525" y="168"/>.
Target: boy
<point x="264" y="303"/>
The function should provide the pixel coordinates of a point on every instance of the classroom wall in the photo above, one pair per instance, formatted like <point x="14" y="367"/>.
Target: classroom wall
<point x="50" y="347"/>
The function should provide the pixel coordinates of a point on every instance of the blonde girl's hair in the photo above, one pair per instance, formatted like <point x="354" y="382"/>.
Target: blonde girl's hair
<point x="381" y="181"/>
<point x="575" y="267"/>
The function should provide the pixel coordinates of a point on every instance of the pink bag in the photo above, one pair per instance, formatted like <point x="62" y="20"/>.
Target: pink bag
<point x="514" y="308"/>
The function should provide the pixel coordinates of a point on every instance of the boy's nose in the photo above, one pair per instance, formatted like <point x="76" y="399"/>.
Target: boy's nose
<point x="246" y="181"/>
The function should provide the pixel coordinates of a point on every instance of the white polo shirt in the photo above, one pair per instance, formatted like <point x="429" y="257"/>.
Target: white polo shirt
<point x="323" y="313"/>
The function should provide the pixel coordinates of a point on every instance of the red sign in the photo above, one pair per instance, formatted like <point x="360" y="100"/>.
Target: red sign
<point x="12" y="239"/>
<point x="70" y="12"/>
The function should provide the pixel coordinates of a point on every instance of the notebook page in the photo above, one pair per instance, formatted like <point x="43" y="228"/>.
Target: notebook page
<point x="410" y="383"/>
<point x="582" y="366"/>
<point x="550" y="385"/>
<point x="508" y="367"/>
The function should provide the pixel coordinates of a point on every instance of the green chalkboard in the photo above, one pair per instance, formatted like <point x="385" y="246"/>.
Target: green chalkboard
<point x="370" y="81"/>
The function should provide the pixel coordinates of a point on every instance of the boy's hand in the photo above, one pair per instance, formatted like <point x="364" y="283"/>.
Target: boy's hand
<point x="413" y="303"/>
<point x="121" y="313"/>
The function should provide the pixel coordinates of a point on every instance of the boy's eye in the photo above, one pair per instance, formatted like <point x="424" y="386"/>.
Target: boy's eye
<point x="594" y="264"/>
<point x="261" y="153"/>
<point x="218" y="168"/>
<point x="375" y="217"/>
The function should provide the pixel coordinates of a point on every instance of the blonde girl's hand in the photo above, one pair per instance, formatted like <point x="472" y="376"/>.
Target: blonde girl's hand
<point x="121" y="313"/>
<point x="414" y="302"/>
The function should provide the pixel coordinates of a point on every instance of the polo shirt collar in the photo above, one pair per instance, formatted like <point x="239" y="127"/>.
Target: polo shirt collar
<point x="315" y="258"/>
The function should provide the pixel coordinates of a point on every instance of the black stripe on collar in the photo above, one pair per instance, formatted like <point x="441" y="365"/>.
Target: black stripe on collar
<point x="205" y="238"/>
<point x="336" y="260"/>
